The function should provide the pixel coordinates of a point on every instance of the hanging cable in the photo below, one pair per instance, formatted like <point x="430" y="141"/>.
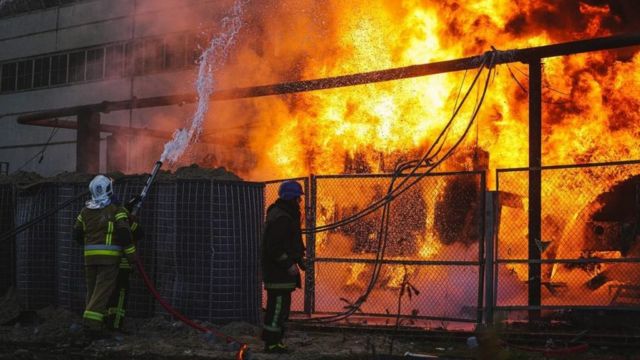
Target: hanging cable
<point x="526" y="91"/>
<point x="397" y="191"/>
<point x="426" y="159"/>
<point x="40" y="153"/>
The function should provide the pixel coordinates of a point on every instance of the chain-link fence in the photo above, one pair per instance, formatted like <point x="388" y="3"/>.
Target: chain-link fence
<point x="433" y="245"/>
<point x="589" y="245"/>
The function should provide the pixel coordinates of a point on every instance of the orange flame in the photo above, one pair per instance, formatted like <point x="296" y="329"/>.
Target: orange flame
<point x="590" y="101"/>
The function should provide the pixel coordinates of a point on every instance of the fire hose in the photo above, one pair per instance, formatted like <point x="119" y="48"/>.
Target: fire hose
<point x="231" y="342"/>
<point x="242" y="351"/>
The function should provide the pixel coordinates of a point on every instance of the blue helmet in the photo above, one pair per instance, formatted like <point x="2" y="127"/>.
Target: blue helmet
<point x="290" y="190"/>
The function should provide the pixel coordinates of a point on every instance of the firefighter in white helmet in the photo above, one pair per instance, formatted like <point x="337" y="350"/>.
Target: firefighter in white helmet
<point x="102" y="227"/>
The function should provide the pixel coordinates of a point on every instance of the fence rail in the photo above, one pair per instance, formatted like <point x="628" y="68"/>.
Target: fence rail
<point x="587" y="246"/>
<point x="340" y="261"/>
<point x="590" y="238"/>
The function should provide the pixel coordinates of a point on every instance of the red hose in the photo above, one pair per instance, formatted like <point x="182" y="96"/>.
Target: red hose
<point x="243" y="347"/>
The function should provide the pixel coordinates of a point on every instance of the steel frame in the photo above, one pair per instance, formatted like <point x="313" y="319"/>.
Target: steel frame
<point x="536" y="262"/>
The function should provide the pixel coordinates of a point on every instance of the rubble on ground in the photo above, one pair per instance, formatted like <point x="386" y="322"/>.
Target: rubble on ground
<point x="58" y="334"/>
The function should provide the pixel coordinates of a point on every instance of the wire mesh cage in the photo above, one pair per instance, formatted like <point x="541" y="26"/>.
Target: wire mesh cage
<point x="35" y="247"/>
<point x="71" y="288"/>
<point x="210" y="266"/>
<point x="7" y="246"/>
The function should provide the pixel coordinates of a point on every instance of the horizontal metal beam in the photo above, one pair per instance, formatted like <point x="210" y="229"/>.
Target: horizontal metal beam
<point x="500" y="57"/>
<point x="114" y="129"/>
<point x="66" y="124"/>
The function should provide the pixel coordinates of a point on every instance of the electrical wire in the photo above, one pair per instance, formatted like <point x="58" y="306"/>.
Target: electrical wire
<point x="543" y="85"/>
<point x="40" y="153"/>
<point x="40" y="217"/>
<point x="394" y="192"/>
<point x="526" y="91"/>
<point x="426" y="159"/>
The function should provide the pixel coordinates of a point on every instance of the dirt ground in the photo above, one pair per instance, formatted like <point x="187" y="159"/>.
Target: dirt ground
<point x="53" y="333"/>
<point x="56" y="334"/>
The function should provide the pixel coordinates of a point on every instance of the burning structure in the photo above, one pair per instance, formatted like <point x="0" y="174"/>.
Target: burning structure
<point x="581" y="108"/>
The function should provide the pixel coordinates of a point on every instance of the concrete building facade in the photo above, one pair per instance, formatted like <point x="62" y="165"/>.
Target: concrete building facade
<point x="64" y="53"/>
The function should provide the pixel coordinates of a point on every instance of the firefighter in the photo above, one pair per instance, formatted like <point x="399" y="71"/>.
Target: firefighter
<point x="102" y="227"/>
<point x="282" y="259"/>
<point x="116" y="311"/>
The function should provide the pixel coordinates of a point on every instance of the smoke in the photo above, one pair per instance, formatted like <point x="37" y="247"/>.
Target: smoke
<point x="210" y="62"/>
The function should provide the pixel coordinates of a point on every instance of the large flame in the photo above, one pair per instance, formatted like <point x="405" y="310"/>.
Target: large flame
<point x="585" y="96"/>
<point x="590" y="101"/>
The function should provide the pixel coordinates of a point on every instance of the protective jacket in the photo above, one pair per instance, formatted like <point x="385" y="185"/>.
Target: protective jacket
<point x="282" y="245"/>
<point x="137" y="233"/>
<point x="105" y="234"/>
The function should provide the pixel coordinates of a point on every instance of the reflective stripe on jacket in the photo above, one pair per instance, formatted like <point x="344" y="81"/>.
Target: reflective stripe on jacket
<point x="105" y="233"/>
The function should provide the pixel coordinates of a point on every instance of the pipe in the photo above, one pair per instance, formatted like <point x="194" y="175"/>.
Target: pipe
<point x="501" y="57"/>
<point x="114" y="129"/>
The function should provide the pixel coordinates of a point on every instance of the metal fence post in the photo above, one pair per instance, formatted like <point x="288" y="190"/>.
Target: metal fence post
<point x="535" y="203"/>
<point x="489" y="264"/>
<point x="482" y="264"/>
<point x="309" y="276"/>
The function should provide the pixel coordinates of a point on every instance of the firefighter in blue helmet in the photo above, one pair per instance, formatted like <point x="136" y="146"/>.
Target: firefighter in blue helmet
<point x="102" y="227"/>
<point x="282" y="259"/>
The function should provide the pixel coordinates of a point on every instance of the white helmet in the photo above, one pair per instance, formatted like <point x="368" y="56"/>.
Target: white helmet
<point x="101" y="189"/>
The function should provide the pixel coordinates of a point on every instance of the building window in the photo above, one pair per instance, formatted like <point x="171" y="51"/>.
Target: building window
<point x="76" y="66"/>
<point x="8" y="82"/>
<point x="174" y="52"/>
<point x="139" y="57"/>
<point x="95" y="64"/>
<point x="25" y="74"/>
<point x="153" y="55"/>
<point x="114" y="62"/>
<point x="59" y="69"/>
<point x="41" y="72"/>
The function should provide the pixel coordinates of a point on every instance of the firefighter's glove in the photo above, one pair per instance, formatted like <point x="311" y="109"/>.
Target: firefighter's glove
<point x="293" y="270"/>
<point x="133" y="202"/>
